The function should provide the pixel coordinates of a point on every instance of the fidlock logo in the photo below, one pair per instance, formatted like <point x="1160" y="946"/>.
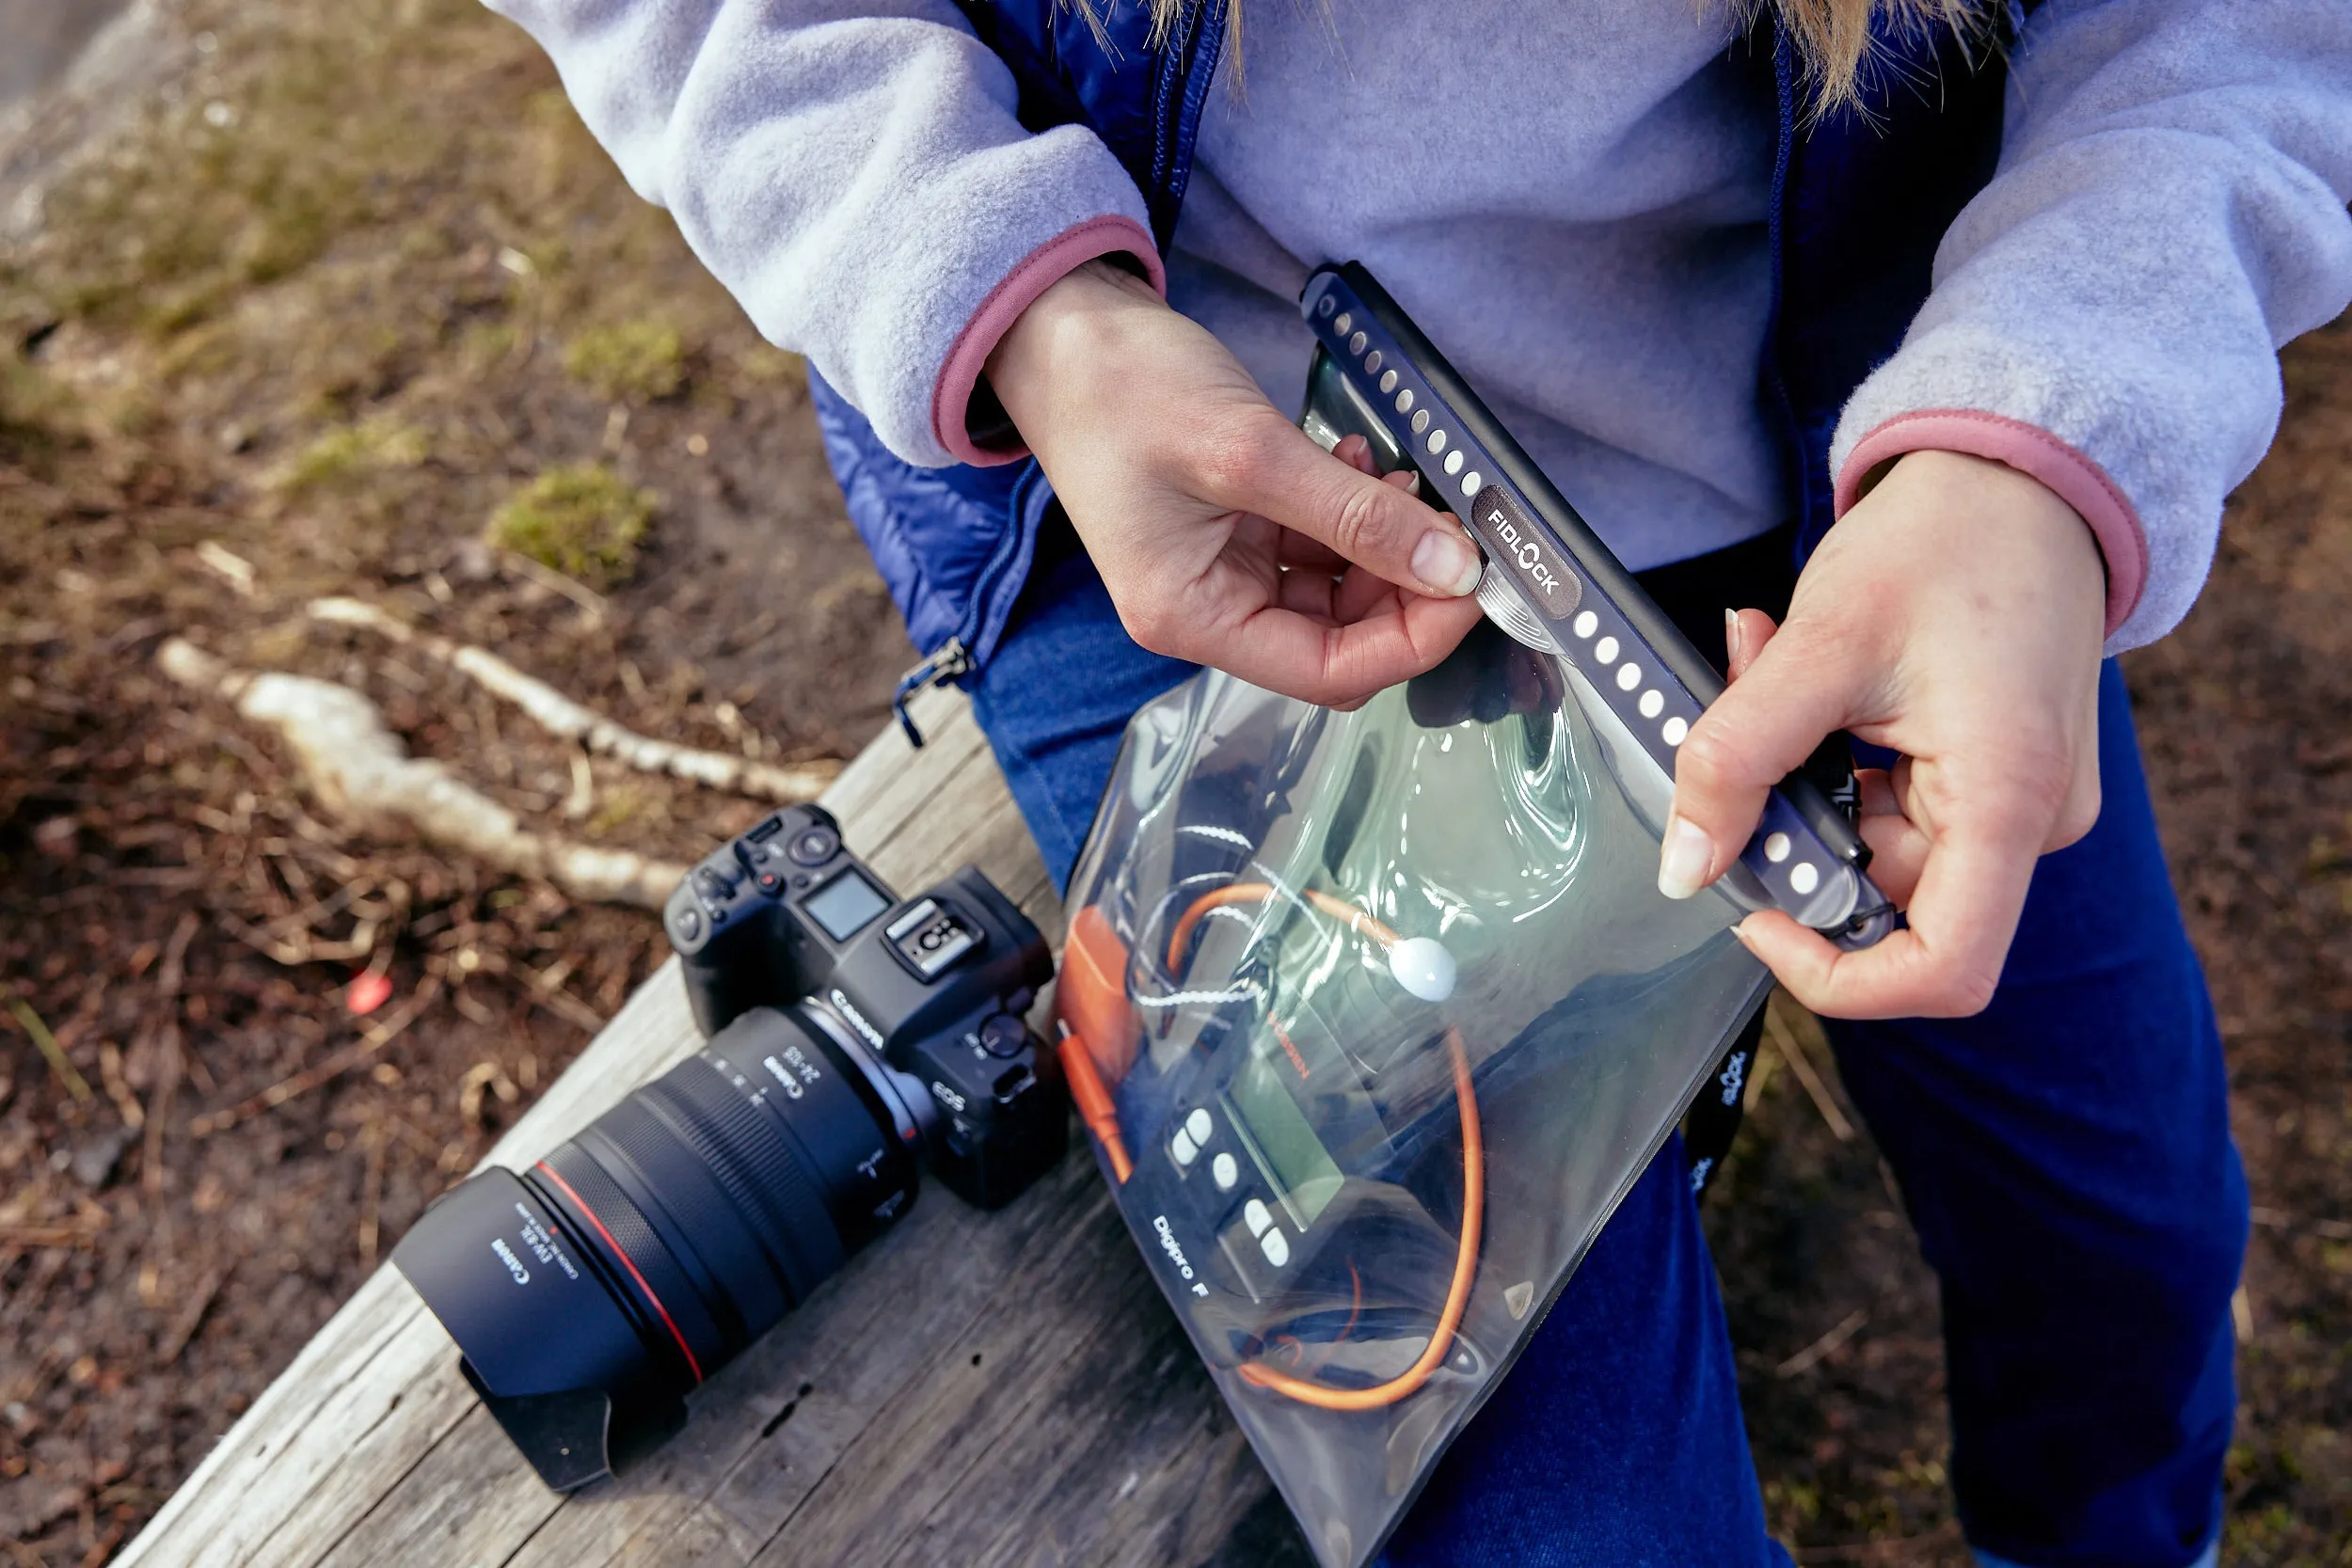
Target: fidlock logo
<point x="1735" y="1073"/>
<point x="1515" y="538"/>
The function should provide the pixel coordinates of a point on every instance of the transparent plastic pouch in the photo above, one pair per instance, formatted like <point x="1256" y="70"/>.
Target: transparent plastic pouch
<point x="1377" y="1015"/>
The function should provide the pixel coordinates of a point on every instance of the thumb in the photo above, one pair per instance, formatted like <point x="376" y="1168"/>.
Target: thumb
<point x="1288" y="480"/>
<point x="1766" y="723"/>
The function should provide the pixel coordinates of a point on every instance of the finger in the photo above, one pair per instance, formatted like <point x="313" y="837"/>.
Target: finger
<point x="1753" y="736"/>
<point x="1745" y="632"/>
<point x="1946" y="964"/>
<point x="1898" y="852"/>
<point x="1283" y="476"/>
<point x="1334" y="663"/>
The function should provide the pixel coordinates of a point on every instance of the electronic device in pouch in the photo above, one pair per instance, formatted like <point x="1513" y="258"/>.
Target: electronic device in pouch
<point x="1375" y="1017"/>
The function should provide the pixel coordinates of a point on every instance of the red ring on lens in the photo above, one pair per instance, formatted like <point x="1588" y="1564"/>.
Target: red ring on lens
<point x="626" y="1262"/>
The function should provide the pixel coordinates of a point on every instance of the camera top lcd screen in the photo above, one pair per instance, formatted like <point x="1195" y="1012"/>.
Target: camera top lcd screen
<point x="845" y="906"/>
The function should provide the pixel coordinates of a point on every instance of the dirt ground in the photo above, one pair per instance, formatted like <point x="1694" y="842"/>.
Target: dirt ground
<point x="356" y="282"/>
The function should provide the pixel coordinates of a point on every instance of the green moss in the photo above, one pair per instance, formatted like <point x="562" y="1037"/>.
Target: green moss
<point x="351" y="453"/>
<point x="635" y="361"/>
<point x="581" y="520"/>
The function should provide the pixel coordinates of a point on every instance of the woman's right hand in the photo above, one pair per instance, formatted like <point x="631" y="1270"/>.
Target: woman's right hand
<point x="1225" y="536"/>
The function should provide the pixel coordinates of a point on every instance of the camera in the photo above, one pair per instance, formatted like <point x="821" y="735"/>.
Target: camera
<point x="851" y="1039"/>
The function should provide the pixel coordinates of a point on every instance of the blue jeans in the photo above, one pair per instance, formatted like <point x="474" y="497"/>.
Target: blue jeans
<point x="2065" y="1156"/>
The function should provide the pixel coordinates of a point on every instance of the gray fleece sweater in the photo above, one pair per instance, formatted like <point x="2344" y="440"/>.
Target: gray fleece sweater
<point x="2169" y="209"/>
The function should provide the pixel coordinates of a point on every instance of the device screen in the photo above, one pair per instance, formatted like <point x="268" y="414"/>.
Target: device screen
<point x="1297" y="1163"/>
<point x="845" y="905"/>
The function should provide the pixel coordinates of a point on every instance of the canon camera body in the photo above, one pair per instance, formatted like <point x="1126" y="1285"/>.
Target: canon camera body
<point x="851" y="1036"/>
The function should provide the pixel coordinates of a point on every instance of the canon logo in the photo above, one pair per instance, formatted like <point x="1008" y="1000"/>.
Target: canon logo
<point x="513" y="1264"/>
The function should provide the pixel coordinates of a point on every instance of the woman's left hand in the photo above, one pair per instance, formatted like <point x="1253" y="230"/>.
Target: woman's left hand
<point x="1953" y="616"/>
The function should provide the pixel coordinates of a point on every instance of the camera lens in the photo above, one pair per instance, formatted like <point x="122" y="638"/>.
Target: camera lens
<point x="698" y="1212"/>
<point x="814" y="846"/>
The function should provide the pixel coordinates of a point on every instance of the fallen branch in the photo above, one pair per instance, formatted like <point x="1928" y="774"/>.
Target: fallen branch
<point x="360" y="770"/>
<point x="570" y="721"/>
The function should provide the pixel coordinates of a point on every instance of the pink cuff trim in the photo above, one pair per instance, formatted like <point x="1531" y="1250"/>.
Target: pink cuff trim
<point x="1038" y="271"/>
<point x="2030" y="450"/>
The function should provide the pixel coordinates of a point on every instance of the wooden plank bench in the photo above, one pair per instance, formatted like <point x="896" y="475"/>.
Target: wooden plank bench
<point x="973" y="1389"/>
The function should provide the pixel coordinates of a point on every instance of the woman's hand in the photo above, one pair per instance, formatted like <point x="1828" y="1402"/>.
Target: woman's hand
<point x="1953" y="616"/>
<point x="1224" y="534"/>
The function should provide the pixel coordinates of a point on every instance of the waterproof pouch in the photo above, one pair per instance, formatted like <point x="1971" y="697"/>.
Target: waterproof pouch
<point x="1375" y="1017"/>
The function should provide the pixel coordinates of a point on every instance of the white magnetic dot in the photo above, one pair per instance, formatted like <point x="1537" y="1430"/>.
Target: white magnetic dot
<point x="1629" y="675"/>
<point x="1371" y="363"/>
<point x="1776" y="848"/>
<point x="1356" y="344"/>
<point x="1673" y="729"/>
<point x="1424" y="967"/>
<point x="1471" y="482"/>
<point x="1388" y="381"/>
<point x="1454" y="461"/>
<point x="1421" y="421"/>
<point x="1586" y="624"/>
<point x="1606" y="650"/>
<point x="1653" y="703"/>
<point x="1343" y="324"/>
<point x="1436" y="442"/>
<point x="1804" y="879"/>
<point x="1325" y="305"/>
<point x="1405" y="401"/>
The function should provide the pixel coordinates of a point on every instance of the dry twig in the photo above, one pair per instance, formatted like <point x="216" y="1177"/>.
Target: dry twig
<point x="371" y="1039"/>
<point x="1784" y="1039"/>
<point x="570" y="721"/>
<point x="360" y="770"/>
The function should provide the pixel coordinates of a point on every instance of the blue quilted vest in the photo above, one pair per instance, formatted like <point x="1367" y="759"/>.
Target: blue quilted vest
<point x="1860" y="200"/>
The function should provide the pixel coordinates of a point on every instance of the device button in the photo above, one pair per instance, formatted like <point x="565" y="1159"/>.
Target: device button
<point x="1276" y="1246"/>
<point x="689" y="923"/>
<point x="1227" y="1171"/>
<point x="766" y="831"/>
<point x="1255" y="1215"/>
<point x="771" y="882"/>
<point x="1199" y="1125"/>
<point x="1186" y="1150"/>
<point x="713" y="884"/>
<point x="814" y="846"/>
<point x="1004" y="1036"/>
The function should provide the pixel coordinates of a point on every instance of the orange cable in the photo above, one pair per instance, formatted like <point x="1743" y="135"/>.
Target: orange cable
<point x="1260" y="893"/>
<point x="1473" y="1173"/>
<point x="1457" y="1298"/>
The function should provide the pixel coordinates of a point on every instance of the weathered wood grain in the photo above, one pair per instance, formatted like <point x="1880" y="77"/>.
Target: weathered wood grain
<point x="991" y="1389"/>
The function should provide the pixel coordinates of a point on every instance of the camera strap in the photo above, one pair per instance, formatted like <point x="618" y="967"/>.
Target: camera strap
<point x="1713" y="1120"/>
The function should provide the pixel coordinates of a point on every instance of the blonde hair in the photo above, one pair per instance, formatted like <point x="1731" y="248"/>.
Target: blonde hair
<point x="1834" y="37"/>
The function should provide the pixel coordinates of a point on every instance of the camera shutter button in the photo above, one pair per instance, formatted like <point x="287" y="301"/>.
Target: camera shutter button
<point x="690" y="925"/>
<point x="814" y="846"/>
<point x="1004" y="1036"/>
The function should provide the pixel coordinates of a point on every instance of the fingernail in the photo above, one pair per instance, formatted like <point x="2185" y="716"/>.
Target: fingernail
<point x="1731" y="637"/>
<point x="1446" y="563"/>
<point x="1741" y="932"/>
<point x="1684" y="859"/>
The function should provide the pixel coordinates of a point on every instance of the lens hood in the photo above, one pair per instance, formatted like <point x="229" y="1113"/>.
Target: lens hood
<point x="494" y="1264"/>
